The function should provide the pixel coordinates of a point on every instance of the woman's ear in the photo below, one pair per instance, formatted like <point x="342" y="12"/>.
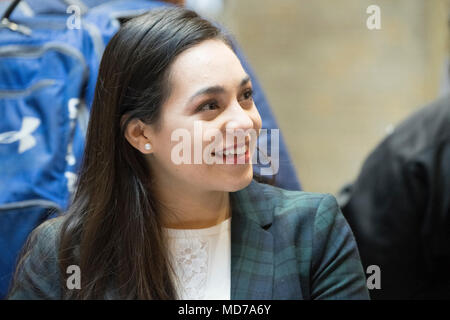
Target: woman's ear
<point x="138" y="135"/>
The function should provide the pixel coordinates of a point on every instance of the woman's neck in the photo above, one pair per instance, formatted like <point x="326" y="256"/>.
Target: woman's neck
<point x="187" y="208"/>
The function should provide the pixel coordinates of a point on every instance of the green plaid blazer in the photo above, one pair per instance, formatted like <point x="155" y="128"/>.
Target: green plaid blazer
<point x="284" y="245"/>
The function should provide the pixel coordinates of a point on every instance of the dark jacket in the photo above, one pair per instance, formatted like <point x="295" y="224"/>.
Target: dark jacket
<point x="399" y="208"/>
<point x="284" y="245"/>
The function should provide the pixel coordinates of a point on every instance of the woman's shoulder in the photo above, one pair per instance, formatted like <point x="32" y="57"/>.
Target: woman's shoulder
<point x="309" y="228"/>
<point x="43" y="242"/>
<point x="292" y="204"/>
<point x="42" y="245"/>
<point x="39" y="257"/>
<point x="300" y="216"/>
<point x="48" y="231"/>
<point x="51" y="226"/>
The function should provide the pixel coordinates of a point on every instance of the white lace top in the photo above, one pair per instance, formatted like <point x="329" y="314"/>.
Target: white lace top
<point x="202" y="261"/>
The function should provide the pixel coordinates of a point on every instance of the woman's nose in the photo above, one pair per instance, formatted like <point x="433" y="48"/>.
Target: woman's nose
<point x="238" y="118"/>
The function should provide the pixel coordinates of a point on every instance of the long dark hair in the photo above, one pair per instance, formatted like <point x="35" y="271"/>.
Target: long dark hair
<point x="113" y="231"/>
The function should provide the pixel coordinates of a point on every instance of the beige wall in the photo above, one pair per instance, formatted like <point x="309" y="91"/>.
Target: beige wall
<point x="335" y="86"/>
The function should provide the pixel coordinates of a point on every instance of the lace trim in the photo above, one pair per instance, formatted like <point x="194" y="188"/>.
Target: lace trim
<point x="191" y="259"/>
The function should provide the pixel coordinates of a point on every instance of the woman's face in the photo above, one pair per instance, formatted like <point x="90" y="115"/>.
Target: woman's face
<point x="210" y="108"/>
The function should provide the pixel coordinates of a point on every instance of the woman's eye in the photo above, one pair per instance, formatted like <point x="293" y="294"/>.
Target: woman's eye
<point x="208" y="106"/>
<point x="248" y="94"/>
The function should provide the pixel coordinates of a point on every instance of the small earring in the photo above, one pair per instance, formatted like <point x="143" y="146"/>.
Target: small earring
<point x="147" y="146"/>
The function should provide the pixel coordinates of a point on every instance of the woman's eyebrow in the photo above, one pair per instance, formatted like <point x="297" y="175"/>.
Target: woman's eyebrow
<point x="216" y="89"/>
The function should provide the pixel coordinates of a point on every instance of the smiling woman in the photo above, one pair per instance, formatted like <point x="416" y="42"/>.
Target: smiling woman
<point x="144" y="227"/>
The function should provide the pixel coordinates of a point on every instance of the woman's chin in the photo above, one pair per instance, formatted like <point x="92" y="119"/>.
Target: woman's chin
<point x="238" y="183"/>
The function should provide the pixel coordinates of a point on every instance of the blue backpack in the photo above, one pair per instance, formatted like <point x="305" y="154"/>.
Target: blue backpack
<point x="45" y="91"/>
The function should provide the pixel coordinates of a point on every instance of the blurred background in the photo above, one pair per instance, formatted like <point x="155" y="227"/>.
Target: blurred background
<point x="336" y="87"/>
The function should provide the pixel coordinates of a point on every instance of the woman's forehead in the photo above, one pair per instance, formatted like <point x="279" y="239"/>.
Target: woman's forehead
<point x="210" y="62"/>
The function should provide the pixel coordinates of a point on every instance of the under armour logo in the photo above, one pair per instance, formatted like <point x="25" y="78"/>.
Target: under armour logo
<point x="26" y="140"/>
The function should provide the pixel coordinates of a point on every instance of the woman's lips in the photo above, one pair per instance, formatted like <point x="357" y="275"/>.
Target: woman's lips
<point x="237" y="155"/>
<point x="241" y="149"/>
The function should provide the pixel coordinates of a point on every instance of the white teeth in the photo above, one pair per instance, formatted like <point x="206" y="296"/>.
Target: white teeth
<point x="240" y="150"/>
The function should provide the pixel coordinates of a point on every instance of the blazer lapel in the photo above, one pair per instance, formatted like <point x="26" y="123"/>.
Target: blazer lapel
<point x="252" y="256"/>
